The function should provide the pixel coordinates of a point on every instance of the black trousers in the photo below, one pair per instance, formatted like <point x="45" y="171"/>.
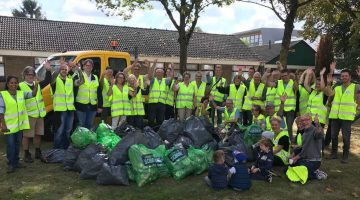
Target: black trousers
<point x="345" y="126"/>
<point x="156" y="114"/>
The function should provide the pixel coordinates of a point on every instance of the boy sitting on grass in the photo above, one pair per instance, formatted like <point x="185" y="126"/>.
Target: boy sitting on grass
<point x="240" y="178"/>
<point x="217" y="177"/>
<point x="260" y="170"/>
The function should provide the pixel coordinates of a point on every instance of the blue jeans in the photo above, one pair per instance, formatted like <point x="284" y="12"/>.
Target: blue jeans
<point x="86" y="118"/>
<point x="311" y="166"/>
<point x="13" y="142"/>
<point x="62" y="135"/>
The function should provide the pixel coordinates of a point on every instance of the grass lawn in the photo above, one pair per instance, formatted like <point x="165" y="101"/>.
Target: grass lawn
<point x="49" y="181"/>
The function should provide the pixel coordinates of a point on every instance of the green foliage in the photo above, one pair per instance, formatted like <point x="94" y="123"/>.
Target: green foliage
<point x="29" y="9"/>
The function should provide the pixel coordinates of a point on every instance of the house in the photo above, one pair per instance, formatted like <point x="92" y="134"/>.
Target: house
<point x="301" y="55"/>
<point x="263" y="36"/>
<point x="26" y="42"/>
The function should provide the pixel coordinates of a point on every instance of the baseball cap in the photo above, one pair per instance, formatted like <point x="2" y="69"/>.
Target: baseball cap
<point x="239" y="156"/>
<point x="267" y="135"/>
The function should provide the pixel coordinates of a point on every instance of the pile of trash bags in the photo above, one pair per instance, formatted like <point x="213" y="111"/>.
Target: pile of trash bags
<point x="177" y="149"/>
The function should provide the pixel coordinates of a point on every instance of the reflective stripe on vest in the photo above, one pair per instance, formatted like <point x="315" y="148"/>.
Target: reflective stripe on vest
<point x="253" y="93"/>
<point x="185" y="96"/>
<point x="344" y="106"/>
<point x="284" y="155"/>
<point x="16" y="118"/>
<point x="87" y="92"/>
<point x="316" y="106"/>
<point x="120" y="103"/>
<point x="230" y="116"/>
<point x="199" y="91"/>
<point x="270" y="94"/>
<point x="290" y="102"/>
<point x="217" y="95"/>
<point x="104" y="92"/>
<point x="259" y="120"/>
<point x="200" y="108"/>
<point x="35" y="106"/>
<point x="158" y="92"/>
<point x="137" y="104"/>
<point x="303" y="99"/>
<point x="237" y="95"/>
<point x="170" y="94"/>
<point x="63" y="99"/>
<point x="299" y="139"/>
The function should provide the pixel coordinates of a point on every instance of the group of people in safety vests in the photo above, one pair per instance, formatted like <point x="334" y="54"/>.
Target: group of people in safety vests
<point x="272" y="100"/>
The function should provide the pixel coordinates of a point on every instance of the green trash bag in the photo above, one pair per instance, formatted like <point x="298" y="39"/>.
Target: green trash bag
<point x="130" y="171"/>
<point x="82" y="137"/>
<point x="109" y="141"/>
<point x="104" y="130"/>
<point x="178" y="162"/>
<point x="252" y="134"/>
<point x="198" y="159"/>
<point x="209" y="153"/>
<point x="147" y="164"/>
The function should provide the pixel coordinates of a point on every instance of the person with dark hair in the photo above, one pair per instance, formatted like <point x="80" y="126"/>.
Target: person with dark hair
<point x="36" y="110"/>
<point x="88" y="95"/>
<point x="14" y="118"/>
<point x="204" y="108"/>
<point x="289" y="87"/>
<point x="258" y="118"/>
<point x="105" y="80"/>
<point x="342" y="113"/>
<point x="170" y="96"/>
<point x="200" y="88"/>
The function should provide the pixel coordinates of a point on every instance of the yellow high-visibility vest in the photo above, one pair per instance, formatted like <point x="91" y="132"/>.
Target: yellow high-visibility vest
<point x="344" y="105"/>
<point x="303" y="99"/>
<point x="253" y="93"/>
<point x="63" y="98"/>
<point x="290" y="102"/>
<point x="170" y="94"/>
<point x="137" y="104"/>
<point x="35" y="106"/>
<point x="120" y="103"/>
<point x="185" y="96"/>
<point x="270" y="94"/>
<point x="158" y="91"/>
<point x="316" y="106"/>
<point x="16" y="118"/>
<point x="214" y="92"/>
<point x="105" y="96"/>
<point x="199" y="91"/>
<point x="87" y="92"/>
<point x="230" y="116"/>
<point x="237" y="95"/>
<point x="282" y="154"/>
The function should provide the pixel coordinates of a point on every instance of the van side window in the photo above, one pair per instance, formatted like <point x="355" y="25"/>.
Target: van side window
<point x="97" y="65"/>
<point x="117" y="64"/>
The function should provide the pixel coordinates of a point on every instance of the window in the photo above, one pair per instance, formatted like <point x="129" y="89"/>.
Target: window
<point x="117" y="64"/>
<point x="2" y="70"/>
<point x="55" y="64"/>
<point x="97" y="65"/>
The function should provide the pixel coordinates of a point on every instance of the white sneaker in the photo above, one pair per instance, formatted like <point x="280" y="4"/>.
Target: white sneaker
<point x="320" y="175"/>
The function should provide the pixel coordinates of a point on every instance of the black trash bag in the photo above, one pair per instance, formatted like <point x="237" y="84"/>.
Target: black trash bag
<point x="208" y="125"/>
<point x="212" y="145"/>
<point x="70" y="157"/>
<point x="236" y="137"/>
<point x="93" y="166"/>
<point x="154" y="140"/>
<point x="124" y="129"/>
<point x="53" y="156"/>
<point x="196" y="131"/>
<point x="87" y="154"/>
<point x="170" y="130"/>
<point x="185" y="141"/>
<point x="229" y="158"/>
<point x="119" y="154"/>
<point x="113" y="175"/>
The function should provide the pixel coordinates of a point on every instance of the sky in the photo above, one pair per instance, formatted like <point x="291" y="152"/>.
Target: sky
<point x="226" y="20"/>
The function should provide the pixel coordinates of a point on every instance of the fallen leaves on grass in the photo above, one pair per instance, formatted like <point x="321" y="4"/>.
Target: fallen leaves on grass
<point x="355" y="194"/>
<point x="329" y="189"/>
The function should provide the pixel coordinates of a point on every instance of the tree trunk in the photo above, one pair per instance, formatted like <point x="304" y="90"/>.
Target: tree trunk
<point x="183" y="42"/>
<point x="289" y="27"/>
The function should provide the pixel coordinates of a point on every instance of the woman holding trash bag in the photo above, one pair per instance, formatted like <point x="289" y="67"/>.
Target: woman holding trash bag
<point x="136" y="101"/>
<point x="120" y="103"/>
<point x="88" y="96"/>
<point x="14" y="118"/>
<point x="281" y="142"/>
<point x="185" y="99"/>
<point x="36" y="110"/>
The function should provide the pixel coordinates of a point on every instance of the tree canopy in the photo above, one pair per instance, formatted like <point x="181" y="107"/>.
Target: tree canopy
<point x="29" y="9"/>
<point x="183" y="14"/>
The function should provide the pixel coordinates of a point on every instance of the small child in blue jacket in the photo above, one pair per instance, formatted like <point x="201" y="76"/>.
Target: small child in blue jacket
<point x="260" y="170"/>
<point x="217" y="177"/>
<point x="240" y="178"/>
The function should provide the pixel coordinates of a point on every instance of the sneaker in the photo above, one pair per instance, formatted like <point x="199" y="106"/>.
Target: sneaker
<point x="345" y="161"/>
<point x="269" y="178"/>
<point x="37" y="154"/>
<point x="10" y="169"/>
<point x="27" y="158"/>
<point x="320" y="175"/>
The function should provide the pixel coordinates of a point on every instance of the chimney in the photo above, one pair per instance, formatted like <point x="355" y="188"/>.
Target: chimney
<point x="269" y="44"/>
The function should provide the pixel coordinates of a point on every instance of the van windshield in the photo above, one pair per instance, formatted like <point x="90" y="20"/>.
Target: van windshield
<point x="55" y="64"/>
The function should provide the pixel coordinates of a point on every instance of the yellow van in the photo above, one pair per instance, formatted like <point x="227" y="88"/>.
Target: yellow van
<point x="118" y="61"/>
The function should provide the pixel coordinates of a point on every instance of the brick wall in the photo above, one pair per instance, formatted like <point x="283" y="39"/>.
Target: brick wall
<point x="14" y="66"/>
